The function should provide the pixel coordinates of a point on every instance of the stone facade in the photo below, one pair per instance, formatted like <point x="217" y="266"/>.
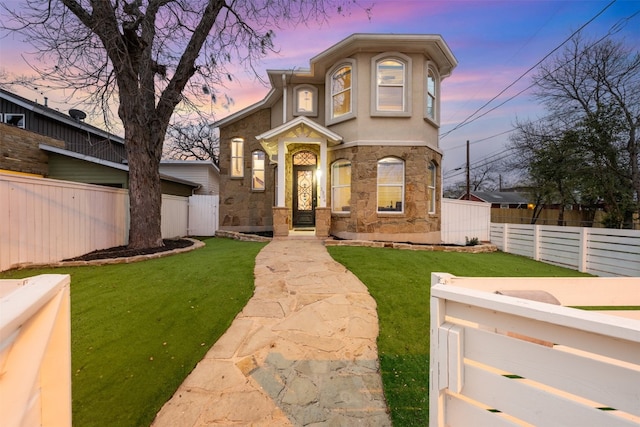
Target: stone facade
<point x="19" y="150"/>
<point x="323" y="222"/>
<point x="364" y="221"/>
<point x="336" y="110"/>
<point x="280" y="222"/>
<point x="241" y="208"/>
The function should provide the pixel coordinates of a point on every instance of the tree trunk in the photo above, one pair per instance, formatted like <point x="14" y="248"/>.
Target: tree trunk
<point x="145" y="194"/>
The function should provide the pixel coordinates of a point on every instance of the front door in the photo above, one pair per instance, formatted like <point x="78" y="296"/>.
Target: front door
<point x="304" y="189"/>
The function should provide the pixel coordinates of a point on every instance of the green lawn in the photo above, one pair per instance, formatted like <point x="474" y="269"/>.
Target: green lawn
<point x="399" y="280"/>
<point x="138" y="329"/>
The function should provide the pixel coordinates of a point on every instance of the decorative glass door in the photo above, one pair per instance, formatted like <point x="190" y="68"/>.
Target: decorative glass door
<point x="304" y="189"/>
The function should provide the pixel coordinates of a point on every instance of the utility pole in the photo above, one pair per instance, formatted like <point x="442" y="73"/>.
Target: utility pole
<point x="468" y="174"/>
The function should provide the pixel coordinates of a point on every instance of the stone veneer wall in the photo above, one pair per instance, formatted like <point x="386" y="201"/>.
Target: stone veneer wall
<point x="415" y="224"/>
<point x="242" y="209"/>
<point x="19" y="150"/>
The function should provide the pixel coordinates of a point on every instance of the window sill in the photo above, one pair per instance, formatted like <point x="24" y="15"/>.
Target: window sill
<point x="390" y="214"/>
<point x="432" y="121"/>
<point x="344" y="118"/>
<point x="390" y="114"/>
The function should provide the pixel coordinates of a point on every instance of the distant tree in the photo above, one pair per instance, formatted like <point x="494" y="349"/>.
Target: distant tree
<point x="146" y="57"/>
<point x="198" y="141"/>
<point x="484" y="177"/>
<point x="595" y="89"/>
<point x="586" y="148"/>
<point x="551" y="161"/>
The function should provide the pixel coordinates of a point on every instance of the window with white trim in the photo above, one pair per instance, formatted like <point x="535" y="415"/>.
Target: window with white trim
<point x="431" y="187"/>
<point x="390" y="185"/>
<point x="14" y="119"/>
<point x="257" y="170"/>
<point x="431" y="95"/>
<point x="391" y="81"/>
<point x="390" y="78"/>
<point x="237" y="158"/>
<point x="305" y="100"/>
<point x="341" y="186"/>
<point x="340" y="84"/>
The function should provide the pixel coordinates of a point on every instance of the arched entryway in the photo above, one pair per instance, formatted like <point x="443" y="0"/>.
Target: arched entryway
<point x="304" y="189"/>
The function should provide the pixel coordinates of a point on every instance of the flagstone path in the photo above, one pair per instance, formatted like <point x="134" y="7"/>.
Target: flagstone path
<point x="301" y="353"/>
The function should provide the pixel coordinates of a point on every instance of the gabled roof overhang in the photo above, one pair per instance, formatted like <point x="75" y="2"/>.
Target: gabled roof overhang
<point x="299" y="130"/>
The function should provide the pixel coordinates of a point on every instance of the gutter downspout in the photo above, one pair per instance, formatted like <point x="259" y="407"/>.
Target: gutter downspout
<point x="284" y="98"/>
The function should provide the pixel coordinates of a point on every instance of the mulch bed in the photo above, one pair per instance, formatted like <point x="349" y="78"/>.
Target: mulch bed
<point x="124" y="251"/>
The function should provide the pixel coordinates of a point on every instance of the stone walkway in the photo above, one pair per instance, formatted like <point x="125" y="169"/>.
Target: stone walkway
<point x="301" y="353"/>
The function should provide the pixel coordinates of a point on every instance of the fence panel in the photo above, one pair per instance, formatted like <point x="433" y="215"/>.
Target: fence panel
<point x="500" y="360"/>
<point x="559" y="246"/>
<point x="462" y="219"/>
<point x="45" y="220"/>
<point x="520" y="240"/>
<point x="203" y="215"/>
<point x="612" y="252"/>
<point x="35" y="349"/>
<point x="598" y="251"/>
<point x="175" y="216"/>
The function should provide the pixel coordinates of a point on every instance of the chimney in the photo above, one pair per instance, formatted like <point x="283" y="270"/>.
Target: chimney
<point x="46" y="101"/>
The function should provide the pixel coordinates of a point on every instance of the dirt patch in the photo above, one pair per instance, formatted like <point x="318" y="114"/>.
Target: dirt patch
<point x="124" y="252"/>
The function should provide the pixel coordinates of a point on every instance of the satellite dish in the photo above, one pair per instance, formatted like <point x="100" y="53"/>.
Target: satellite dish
<point x="77" y="114"/>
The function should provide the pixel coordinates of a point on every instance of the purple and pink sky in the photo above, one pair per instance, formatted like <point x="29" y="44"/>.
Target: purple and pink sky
<point x="495" y="42"/>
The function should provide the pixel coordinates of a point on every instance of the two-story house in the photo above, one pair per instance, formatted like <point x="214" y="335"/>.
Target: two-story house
<point x="348" y="147"/>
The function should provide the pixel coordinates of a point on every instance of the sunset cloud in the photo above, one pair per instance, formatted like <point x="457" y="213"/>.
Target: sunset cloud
<point x="495" y="42"/>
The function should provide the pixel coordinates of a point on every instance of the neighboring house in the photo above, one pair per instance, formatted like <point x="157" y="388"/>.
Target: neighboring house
<point x="499" y="199"/>
<point x="349" y="146"/>
<point x="38" y="140"/>
<point x="71" y="166"/>
<point x="204" y="172"/>
<point x="72" y="132"/>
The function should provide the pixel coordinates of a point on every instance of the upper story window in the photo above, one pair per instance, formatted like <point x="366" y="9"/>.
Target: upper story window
<point x="431" y="187"/>
<point x="257" y="170"/>
<point x="341" y="186"/>
<point x="431" y="96"/>
<point x="14" y="119"/>
<point x="341" y="102"/>
<point x="391" y="185"/>
<point x="237" y="158"/>
<point x="306" y="100"/>
<point x="391" y="78"/>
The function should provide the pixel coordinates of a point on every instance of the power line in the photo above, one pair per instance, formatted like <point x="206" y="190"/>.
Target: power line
<point x="468" y="119"/>
<point x="618" y="26"/>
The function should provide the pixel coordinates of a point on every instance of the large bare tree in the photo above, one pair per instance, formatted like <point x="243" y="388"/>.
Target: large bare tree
<point x="145" y="57"/>
<point x="595" y="85"/>
<point x="192" y="141"/>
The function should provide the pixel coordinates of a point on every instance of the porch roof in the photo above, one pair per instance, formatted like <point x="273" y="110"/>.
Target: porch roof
<point x="300" y="129"/>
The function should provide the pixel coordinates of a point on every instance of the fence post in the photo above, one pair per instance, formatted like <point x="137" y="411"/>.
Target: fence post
<point x="505" y="239"/>
<point x="583" y="248"/>
<point x="536" y="242"/>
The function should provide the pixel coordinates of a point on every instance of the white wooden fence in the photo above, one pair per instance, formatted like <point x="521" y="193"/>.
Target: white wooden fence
<point x="35" y="351"/>
<point x="174" y="216"/>
<point x="498" y="360"/>
<point x="597" y="251"/>
<point x="463" y="219"/>
<point x="46" y="220"/>
<point x="203" y="215"/>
